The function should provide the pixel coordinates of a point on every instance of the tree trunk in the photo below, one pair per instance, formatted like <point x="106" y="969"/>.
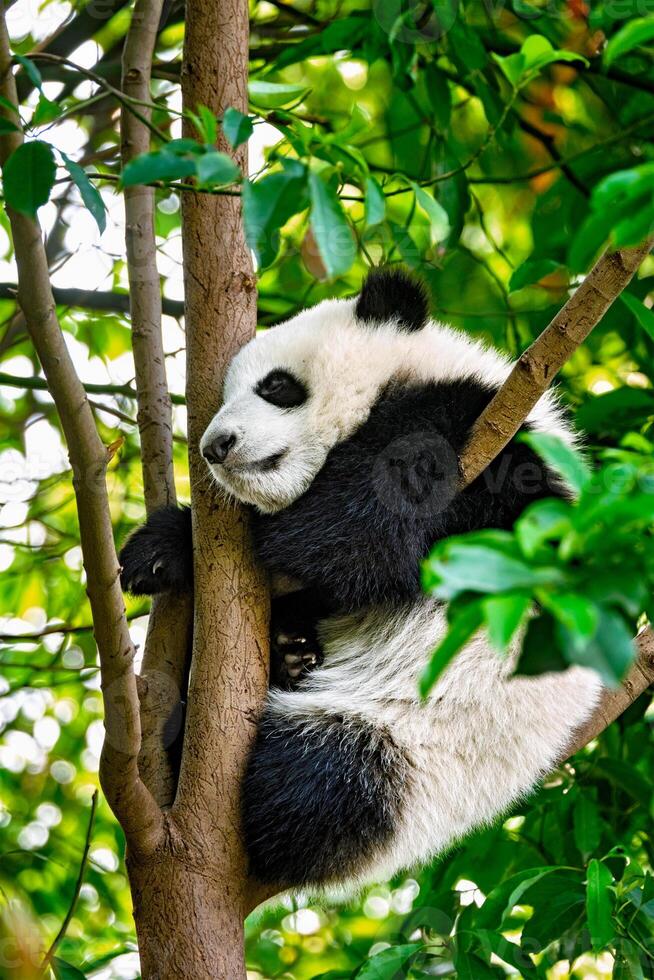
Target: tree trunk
<point x="191" y="891"/>
<point x="187" y="910"/>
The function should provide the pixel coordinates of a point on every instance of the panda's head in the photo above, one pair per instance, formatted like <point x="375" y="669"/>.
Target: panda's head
<point x="296" y="390"/>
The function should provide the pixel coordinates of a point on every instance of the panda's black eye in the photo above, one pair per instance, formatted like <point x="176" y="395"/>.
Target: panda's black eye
<point x="281" y="389"/>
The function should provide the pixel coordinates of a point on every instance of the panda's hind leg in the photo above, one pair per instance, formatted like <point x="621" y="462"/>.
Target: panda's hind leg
<point x="322" y="799"/>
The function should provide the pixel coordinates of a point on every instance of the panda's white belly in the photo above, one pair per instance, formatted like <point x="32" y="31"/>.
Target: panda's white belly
<point x="479" y="742"/>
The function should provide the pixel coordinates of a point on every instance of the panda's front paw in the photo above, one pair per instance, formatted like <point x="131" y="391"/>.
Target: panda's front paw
<point x="293" y="655"/>
<point x="158" y="556"/>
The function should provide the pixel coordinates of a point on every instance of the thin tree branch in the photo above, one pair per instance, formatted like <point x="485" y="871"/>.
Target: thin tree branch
<point x="535" y="370"/>
<point x="133" y="804"/>
<point x="95" y="299"/>
<point x="126" y="101"/>
<point x="47" y="959"/>
<point x="54" y="628"/>
<point x="616" y="700"/>
<point x="40" y="384"/>
<point x="154" y="405"/>
<point x="169" y="627"/>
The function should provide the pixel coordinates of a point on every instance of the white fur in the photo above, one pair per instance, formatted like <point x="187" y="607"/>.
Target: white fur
<point x="480" y="742"/>
<point x="344" y="365"/>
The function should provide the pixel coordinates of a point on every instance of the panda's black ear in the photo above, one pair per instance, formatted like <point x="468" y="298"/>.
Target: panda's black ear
<point x="392" y="293"/>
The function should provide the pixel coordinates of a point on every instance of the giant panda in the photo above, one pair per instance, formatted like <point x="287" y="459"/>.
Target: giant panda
<point x="340" y="429"/>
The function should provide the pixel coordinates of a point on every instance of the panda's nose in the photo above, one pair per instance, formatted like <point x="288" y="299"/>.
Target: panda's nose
<point x="218" y="449"/>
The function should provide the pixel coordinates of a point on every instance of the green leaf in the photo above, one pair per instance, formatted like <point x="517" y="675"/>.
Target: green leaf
<point x="469" y="566"/>
<point x="439" y="222"/>
<point x="268" y="203"/>
<point x="622" y="186"/>
<point x="561" y="457"/>
<point x="503" y="615"/>
<point x="237" y="127"/>
<point x="502" y="899"/>
<point x="46" y="111"/>
<point x="627" y="778"/>
<point x="534" y="55"/>
<point x="532" y="272"/>
<point x="31" y="70"/>
<point x="599" y="905"/>
<point x="610" y="652"/>
<point x="577" y="613"/>
<point x="590" y="238"/>
<point x="627" y="965"/>
<point x="471" y="967"/>
<point x="29" y="176"/>
<point x="215" y="168"/>
<point x="558" y="903"/>
<point x="463" y="626"/>
<point x="538" y="52"/>
<point x="6" y="126"/>
<point x="623" y="408"/>
<point x="512" y="66"/>
<point x="541" y="650"/>
<point x="9" y="106"/>
<point x="90" y="194"/>
<point x="274" y="95"/>
<point x="330" y="228"/>
<point x="437" y="86"/>
<point x="66" y="971"/>
<point x="387" y="964"/>
<point x="207" y="124"/>
<point x="511" y="953"/>
<point x="546" y="520"/>
<point x="586" y="823"/>
<point x="375" y="203"/>
<point x="157" y="165"/>
<point x="644" y="316"/>
<point x="632" y="35"/>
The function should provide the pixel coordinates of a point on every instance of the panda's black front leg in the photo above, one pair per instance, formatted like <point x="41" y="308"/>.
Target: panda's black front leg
<point x="158" y="556"/>
<point x="294" y="646"/>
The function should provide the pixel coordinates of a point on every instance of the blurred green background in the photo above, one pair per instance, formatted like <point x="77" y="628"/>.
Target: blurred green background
<point x="490" y="193"/>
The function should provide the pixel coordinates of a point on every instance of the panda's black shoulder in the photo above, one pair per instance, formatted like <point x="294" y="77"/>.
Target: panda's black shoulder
<point x="389" y="491"/>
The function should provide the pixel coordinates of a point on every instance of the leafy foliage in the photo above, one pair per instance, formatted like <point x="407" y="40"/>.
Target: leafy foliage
<point x="583" y="567"/>
<point x="494" y="148"/>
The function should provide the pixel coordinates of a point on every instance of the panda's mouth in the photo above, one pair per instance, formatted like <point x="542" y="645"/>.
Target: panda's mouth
<point x="265" y="465"/>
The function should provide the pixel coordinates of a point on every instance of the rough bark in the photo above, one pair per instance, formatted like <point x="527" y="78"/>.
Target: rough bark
<point x="169" y="626"/>
<point x="535" y="370"/>
<point x="201" y="861"/>
<point x="125" y="791"/>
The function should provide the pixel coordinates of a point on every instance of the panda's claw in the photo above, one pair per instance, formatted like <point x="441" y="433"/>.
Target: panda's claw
<point x="293" y="656"/>
<point x="158" y="556"/>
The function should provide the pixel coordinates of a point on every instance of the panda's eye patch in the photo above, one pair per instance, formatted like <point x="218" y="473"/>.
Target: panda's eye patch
<point x="281" y="389"/>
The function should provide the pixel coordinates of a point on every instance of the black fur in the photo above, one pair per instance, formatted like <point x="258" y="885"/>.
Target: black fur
<point x="164" y="541"/>
<point x="318" y="801"/>
<point x="385" y="495"/>
<point x="393" y="293"/>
